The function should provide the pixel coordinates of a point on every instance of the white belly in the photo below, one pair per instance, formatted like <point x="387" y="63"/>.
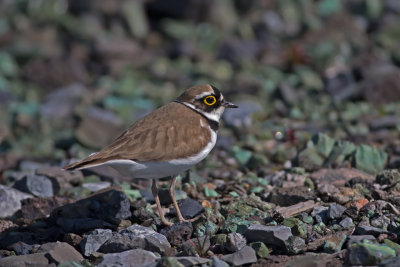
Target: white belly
<point x="149" y="169"/>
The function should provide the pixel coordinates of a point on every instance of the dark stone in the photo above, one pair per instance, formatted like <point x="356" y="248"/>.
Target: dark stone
<point x="393" y="262"/>
<point x="246" y="255"/>
<point x="79" y="226"/>
<point x="60" y="252"/>
<point x="388" y="177"/>
<point x="134" y="258"/>
<point x="72" y="239"/>
<point x="93" y="240"/>
<point x="21" y="248"/>
<point x="369" y="230"/>
<point x="190" y="208"/>
<point x="37" y="185"/>
<point x="136" y="236"/>
<point x="235" y="242"/>
<point x="10" y="200"/>
<point x="8" y="238"/>
<point x="110" y="206"/>
<point x="335" y="211"/>
<point x="320" y="213"/>
<point x="270" y="235"/>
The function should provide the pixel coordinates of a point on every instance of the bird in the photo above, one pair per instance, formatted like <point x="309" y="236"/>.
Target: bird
<point x="166" y="142"/>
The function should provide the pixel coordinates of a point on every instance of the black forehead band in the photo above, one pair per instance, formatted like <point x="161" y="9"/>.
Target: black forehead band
<point x="216" y="91"/>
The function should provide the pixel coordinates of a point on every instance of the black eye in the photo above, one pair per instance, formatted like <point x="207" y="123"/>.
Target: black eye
<point x="210" y="100"/>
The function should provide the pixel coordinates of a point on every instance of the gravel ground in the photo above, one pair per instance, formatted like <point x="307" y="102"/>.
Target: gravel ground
<point x="305" y="172"/>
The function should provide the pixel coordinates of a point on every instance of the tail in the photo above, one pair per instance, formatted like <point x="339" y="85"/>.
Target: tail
<point x="82" y="164"/>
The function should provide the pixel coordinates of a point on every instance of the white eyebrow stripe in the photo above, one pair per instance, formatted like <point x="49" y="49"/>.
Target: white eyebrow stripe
<point x="200" y="96"/>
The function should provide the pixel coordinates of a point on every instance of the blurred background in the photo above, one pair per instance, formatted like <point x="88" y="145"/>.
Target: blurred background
<point x="74" y="74"/>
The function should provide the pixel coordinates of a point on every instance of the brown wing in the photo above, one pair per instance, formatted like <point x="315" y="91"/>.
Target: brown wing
<point x="172" y="131"/>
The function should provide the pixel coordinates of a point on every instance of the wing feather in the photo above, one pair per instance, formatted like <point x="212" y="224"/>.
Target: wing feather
<point x="171" y="128"/>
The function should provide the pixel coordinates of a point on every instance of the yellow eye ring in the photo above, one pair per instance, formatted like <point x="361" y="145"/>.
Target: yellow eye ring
<point x="210" y="100"/>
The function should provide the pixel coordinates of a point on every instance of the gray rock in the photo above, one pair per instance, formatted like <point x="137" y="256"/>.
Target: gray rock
<point x="216" y="262"/>
<point x="191" y="261"/>
<point x="244" y="256"/>
<point x="31" y="166"/>
<point x="110" y="206"/>
<point x="190" y="208"/>
<point x="60" y="103"/>
<point x="270" y="235"/>
<point x="136" y="236"/>
<point x="320" y="213"/>
<point x="359" y="238"/>
<point x="21" y="248"/>
<point x="60" y="252"/>
<point x="64" y="178"/>
<point x="335" y="211"/>
<point x="134" y="258"/>
<point x="37" y="259"/>
<point x="393" y="262"/>
<point x="10" y="200"/>
<point x="388" y="121"/>
<point x="380" y="222"/>
<point x="235" y="242"/>
<point x="37" y="185"/>
<point x="295" y="244"/>
<point x="93" y="187"/>
<point x="178" y="233"/>
<point x="346" y="223"/>
<point x="118" y="243"/>
<point x="93" y="240"/>
<point x="369" y="230"/>
<point x="335" y="243"/>
<point x="241" y="117"/>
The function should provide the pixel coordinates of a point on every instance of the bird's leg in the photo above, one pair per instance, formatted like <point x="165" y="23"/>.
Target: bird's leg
<point x="171" y="193"/>
<point x="157" y="199"/>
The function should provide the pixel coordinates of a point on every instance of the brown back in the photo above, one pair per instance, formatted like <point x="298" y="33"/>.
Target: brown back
<point x="170" y="132"/>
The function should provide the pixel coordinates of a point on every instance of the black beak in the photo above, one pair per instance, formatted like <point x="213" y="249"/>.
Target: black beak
<point x="229" y="105"/>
